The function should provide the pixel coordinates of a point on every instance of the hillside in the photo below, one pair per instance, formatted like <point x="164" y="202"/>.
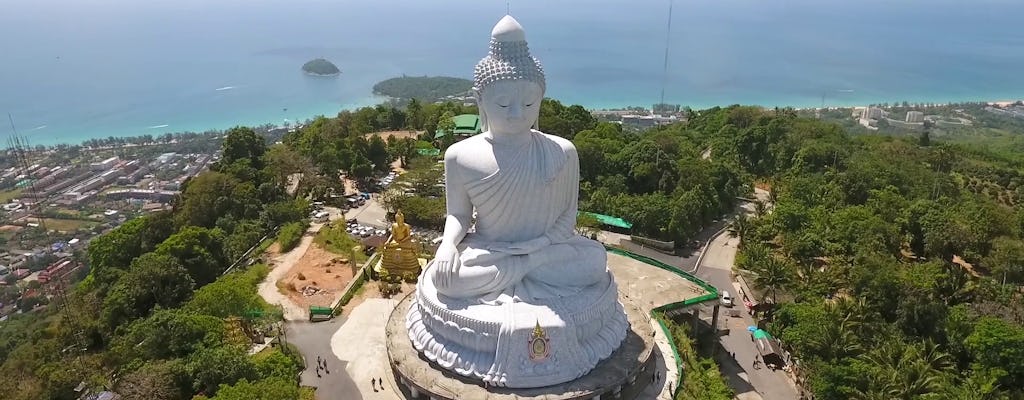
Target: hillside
<point x="425" y="88"/>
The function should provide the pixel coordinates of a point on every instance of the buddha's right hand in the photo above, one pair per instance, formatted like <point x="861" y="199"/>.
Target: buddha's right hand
<point x="446" y="263"/>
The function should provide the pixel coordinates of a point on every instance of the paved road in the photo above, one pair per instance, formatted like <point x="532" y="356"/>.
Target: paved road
<point x="749" y="383"/>
<point x="686" y="262"/>
<point x="715" y="268"/>
<point x="371" y="214"/>
<point x="314" y="339"/>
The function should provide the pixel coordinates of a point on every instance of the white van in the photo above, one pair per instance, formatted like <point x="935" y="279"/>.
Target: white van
<point x="726" y="298"/>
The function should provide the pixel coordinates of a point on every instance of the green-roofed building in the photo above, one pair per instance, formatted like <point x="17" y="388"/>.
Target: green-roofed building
<point x="465" y="125"/>
<point x="610" y="220"/>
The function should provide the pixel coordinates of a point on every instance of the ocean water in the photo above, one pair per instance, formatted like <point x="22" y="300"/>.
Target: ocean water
<point x="77" y="69"/>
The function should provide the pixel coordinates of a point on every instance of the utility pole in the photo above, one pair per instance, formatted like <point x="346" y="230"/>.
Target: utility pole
<point x="664" y="72"/>
<point x="19" y="145"/>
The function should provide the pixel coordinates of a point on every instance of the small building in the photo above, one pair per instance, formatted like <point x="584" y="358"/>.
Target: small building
<point x="872" y="113"/>
<point x="915" y="116"/>
<point x="466" y="125"/>
<point x="105" y="164"/>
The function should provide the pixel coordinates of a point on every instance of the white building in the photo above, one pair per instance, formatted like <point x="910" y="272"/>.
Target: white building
<point x="915" y="116"/>
<point x="872" y="113"/>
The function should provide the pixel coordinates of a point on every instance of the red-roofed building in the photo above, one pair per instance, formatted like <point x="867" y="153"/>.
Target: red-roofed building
<point x="57" y="270"/>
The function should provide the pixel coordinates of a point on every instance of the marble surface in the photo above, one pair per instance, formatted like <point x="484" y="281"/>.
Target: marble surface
<point x="522" y="301"/>
<point x="627" y="370"/>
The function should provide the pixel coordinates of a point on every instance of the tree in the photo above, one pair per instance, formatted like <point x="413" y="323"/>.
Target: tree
<point x="739" y="228"/>
<point x="199" y="250"/>
<point x="999" y="346"/>
<point x="587" y="225"/>
<point x="164" y="380"/>
<point x="111" y="254"/>
<point x="1006" y="260"/>
<point x="446" y="123"/>
<point x="361" y="170"/>
<point x="153" y="280"/>
<point x="290" y="235"/>
<point x="404" y="149"/>
<point x="242" y="143"/>
<point x="233" y="295"/>
<point x="378" y="154"/>
<point x="267" y="389"/>
<point x="168" y="334"/>
<point x="773" y="276"/>
<point x="414" y="114"/>
<point x="208" y="197"/>
<point x="221" y="365"/>
<point x="275" y="364"/>
<point x="282" y="161"/>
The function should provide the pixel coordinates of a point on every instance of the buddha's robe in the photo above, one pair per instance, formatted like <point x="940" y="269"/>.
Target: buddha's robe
<point x="533" y="196"/>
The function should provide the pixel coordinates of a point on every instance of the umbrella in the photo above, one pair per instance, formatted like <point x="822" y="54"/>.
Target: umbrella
<point x="751" y="328"/>
<point x="760" y="334"/>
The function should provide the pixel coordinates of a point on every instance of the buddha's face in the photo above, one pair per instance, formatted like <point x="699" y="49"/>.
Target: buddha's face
<point x="511" y="106"/>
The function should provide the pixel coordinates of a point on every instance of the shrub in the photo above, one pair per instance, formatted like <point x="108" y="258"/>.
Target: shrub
<point x="290" y="235"/>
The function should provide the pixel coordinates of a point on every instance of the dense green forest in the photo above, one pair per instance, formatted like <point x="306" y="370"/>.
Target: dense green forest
<point x="422" y="88"/>
<point x="854" y="252"/>
<point x="857" y="254"/>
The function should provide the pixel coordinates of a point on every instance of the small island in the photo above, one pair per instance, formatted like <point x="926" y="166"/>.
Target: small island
<point x="423" y="88"/>
<point x="321" y="67"/>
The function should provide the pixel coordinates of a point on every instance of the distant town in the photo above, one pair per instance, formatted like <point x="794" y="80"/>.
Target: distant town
<point x="55" y="200"/>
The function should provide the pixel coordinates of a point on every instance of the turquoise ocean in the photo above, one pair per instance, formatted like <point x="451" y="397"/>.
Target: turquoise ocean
<point x="77" y="69"/>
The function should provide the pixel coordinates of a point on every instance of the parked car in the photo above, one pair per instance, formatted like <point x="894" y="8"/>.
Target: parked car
<point x="726" y="298"/>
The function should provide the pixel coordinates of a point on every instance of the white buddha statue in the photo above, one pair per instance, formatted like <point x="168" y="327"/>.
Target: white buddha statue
<point x="522" y="301"/>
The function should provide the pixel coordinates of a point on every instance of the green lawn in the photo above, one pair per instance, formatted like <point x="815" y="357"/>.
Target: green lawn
<point x="335" y="239"/>
<point x="68" y="225"/>
<point x="8" y="195"/>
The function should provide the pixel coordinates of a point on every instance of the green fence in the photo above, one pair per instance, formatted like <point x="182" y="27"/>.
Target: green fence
<point x="315" y="311"/>
<point x="357" y="282"/>
<point x="658" y="312"/>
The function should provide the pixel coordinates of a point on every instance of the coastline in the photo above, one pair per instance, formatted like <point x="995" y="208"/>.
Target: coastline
<point x="321" y="75"/>
<point x="332" y="109"/>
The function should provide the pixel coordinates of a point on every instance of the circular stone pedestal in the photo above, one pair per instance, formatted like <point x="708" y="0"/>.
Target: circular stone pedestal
<point x="610" y="378"/>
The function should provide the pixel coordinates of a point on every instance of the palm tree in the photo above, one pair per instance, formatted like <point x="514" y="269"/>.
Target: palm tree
<point x="773" y="275"/>
<point x="836" y="341"/>
<point x="740" y="227"/>
<point x="908" y="371"/>
<point x="760" y="208"/>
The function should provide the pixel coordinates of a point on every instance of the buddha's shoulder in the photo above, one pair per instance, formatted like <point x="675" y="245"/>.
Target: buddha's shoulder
<point x="471" y="145"/>
<point x="564" y="144"/>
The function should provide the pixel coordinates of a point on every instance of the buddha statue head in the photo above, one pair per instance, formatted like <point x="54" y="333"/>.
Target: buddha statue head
<point x="508" y="83"/>
<point x="399" y="218"/>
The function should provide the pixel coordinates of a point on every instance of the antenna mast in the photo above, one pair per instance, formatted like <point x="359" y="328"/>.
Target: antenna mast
<point x="19" y="145"/>
<point x="668" y="39"/>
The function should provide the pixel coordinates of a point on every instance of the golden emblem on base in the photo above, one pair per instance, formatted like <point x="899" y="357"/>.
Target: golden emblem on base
<point x="538" y="344"/>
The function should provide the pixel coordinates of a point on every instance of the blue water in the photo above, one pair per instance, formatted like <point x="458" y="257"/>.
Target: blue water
<point x="76" y="69"/>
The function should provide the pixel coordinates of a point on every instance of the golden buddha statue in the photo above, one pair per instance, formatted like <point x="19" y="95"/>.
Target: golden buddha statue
<point x="399" y="256"/>
<point x="400" y="232"/>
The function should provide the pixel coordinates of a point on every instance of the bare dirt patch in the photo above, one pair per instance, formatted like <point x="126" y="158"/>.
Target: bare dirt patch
<point x="371" y="290"/>
<point x="396" y="134"/>
<point x="317" y="279"/>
